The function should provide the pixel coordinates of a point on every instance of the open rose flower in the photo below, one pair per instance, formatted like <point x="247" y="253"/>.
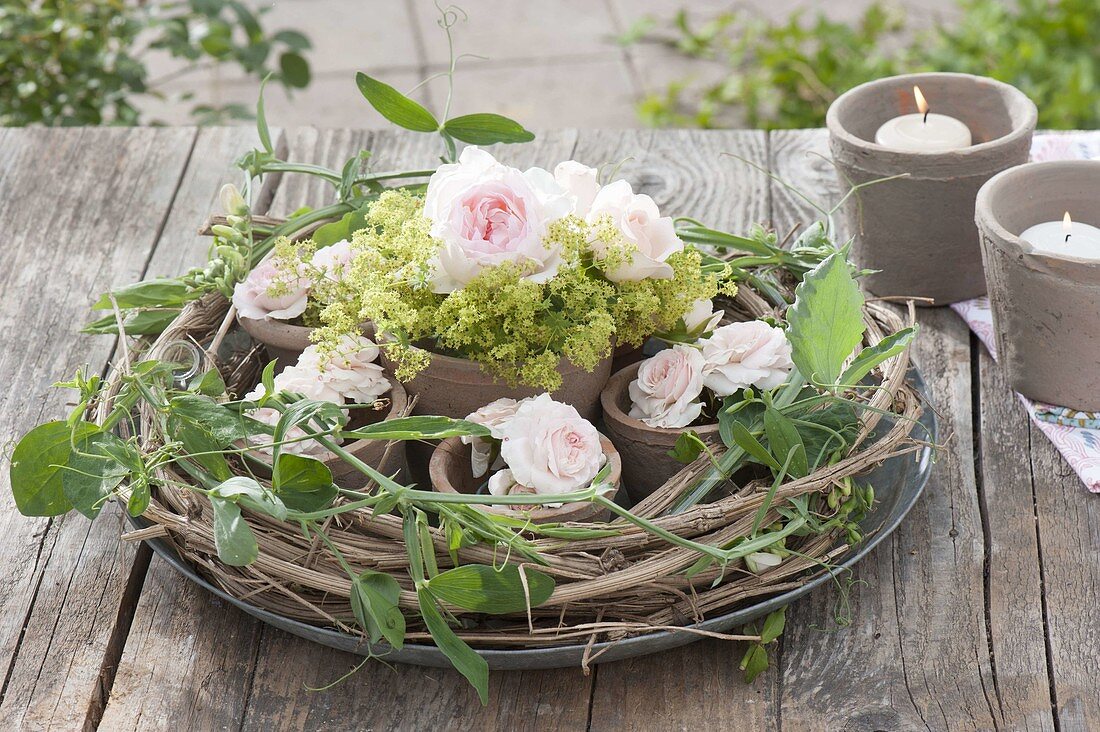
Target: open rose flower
<point x="666" y="392"/>
<point x="641" y="224"/>
<point x="487" y="214"/>
<point x="333" y="260"/>
<point x="298" y="381"/>
<point x="493" y="415"/>
<point x="351" y="370"/>
<point x="549" y="447"/>
<point x="740" y="355"/>
<point x="268" y="292"/>
<point x="702" y="318"/>
<point x="580" y="182"/>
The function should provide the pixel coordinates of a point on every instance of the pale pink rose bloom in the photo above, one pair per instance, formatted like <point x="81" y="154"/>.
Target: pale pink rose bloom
<point x="494" y="416"/>
<point x="252" y="300"/>
<point x="333" y="260"/>
<point x="548" y="446"/>
<point x="702" y="318"/>
<point x="487" y="214"/>
<point x="503" y="483"/>
<point x="641" y="224"/>
<point x="351" y="370"/>
<point x="740" y="355"/>
<point x="666" y="392"/>
<point x="580" y="182"/>
<point x="267" y="415"/>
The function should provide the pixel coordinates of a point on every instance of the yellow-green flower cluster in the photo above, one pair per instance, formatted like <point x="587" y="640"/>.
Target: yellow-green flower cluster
<point x="517" y="329"/>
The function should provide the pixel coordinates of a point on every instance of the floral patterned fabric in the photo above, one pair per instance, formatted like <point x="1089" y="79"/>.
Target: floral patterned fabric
<point x="1075" y="434"/>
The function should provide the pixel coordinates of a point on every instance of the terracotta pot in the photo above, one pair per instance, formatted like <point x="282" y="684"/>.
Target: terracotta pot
<point x="1046" y="309"/>
<point x="455" y="387"/>
<point x="451" y="473"/>
<point x="644" y="449"/>
<point x="918" y="231"/>
<point x="284" y="341"/>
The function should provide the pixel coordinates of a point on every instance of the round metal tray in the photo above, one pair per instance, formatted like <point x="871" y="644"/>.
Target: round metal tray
<point x="898" y="483"/>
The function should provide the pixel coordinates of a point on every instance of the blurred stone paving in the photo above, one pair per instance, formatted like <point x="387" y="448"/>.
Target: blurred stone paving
<point x="548" y="63"/>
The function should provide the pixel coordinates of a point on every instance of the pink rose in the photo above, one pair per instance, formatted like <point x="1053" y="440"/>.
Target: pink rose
<point x="297" y="382"/>
<point x="580" y="182"/>
<point x="494" y="416"/>
<point x="641" y="224"/>
<point x="702" y="318"/>
<point x="268" y="292"/>
<point x="740" y="355"/>
<point x="333" y="260"/>
<point x="548" y="446"/>
<point x="666" y="392"/>
<point x="487" y="214"/>
<point x="351" y="371"/>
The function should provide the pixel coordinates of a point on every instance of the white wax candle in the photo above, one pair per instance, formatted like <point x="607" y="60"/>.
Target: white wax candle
<point x="1049" y="237"/>
<point x="924" y="131"/>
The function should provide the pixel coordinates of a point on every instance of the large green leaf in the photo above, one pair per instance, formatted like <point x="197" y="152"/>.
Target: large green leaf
<point x="395" y="106"/>
<point x="295" y="70"/>
<point x="250" y="494"/>
<point x="138" y="322"/>
<point x="486" y="129"/>
<point x="826" y="320"/>
<point x="225" y="425"/>
<point x="416" y="428"/>
<point x="871" y="357"/>
<point x="485" y="589"/>
<point x="233" y="537"/>
<point x="200" y="445"/>
<point x="38" y="464"/>
<point x="374" y="598"/>
<point x="462" y="657"/>
<point x="785" y="442"/>
<point x="93" y="472"/>
<point x="151" y="293"/>
<point x="303" y="483"/>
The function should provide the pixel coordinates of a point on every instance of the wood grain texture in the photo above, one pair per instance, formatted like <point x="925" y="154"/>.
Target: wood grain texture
<point x="915" y="654"/>
<point x="698" y="686"/>
<point x="82" y="209"/>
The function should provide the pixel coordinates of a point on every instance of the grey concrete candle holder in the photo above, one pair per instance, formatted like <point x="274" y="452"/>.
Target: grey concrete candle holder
<point x="919" y="232"/>
<point x="1046" y="309"/>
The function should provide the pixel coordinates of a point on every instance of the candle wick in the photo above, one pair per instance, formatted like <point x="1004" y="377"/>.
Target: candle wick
<point x="926" y="118"/>
<point x="1067" y="237"/>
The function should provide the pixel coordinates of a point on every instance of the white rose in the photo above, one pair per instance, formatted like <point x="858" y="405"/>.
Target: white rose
<point x="333" y="260"/>
<point x="350" y="370"/>
<point x="641" y="224"/>
<point x="702" y="318"/>
<point x="580" y="182"/>
<point x="548" y="446"/>
<point x="487" y="214"/>
<point x="252" y="295"/>
<point x="666" y="392"/>
<point x="740" y="355"/>
<point x="494" y="416"/>
<point x="267" y="415"/>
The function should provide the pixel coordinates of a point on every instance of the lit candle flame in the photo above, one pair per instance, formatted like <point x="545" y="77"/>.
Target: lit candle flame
<point x="1067" y="225"/>
<point x="922" y="103"/>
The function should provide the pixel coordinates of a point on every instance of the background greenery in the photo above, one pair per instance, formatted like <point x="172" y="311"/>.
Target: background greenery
<point x="785" y="75"/>
<point x="80" y="62"/>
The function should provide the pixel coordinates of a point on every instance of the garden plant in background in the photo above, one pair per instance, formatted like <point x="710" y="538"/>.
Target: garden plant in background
<point x="785" y="75"/>
<point x="84" y="63"/>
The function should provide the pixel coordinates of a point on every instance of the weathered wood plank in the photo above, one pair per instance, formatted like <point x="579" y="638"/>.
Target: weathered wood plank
<point x="916" y="651"/>
<point x="698" y="686"/>
<point x="81" y="210"/>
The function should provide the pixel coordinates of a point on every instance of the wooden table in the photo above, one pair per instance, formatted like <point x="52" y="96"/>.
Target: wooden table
<point x="980" y="612"/>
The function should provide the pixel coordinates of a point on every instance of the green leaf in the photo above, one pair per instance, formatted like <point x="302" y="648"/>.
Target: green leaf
<point x="200" y="445"/>
<point x="871" y="357"/>
<point x="749" y="415"/>
<point x="37" y="466"/>
<point x="745" y="440"/>
<point x="261" y="120"/>
<point x="826" y="320"/>
<point x="486" y="589"/>
<point x="341" y="229"/>
<point x="209" y="383"/>
<point x="298" y="473"/>
<point x="148" y="294"/>
<point x="93" y="472"/>
<point x="783" y="439"/>
<point x="687" y="448"/>
<point x="374" y="600"/>
<point x="138" y="322"/>
<point x="486" y="129"/>
<point x="250" y="494"/>
<point x="223" y="424"/>
<point x="292" y="39"/>
<point x="462" y="657"/>
<point x="295" y="70"/>
<point x="395" y="106"/>
<point x="233" y="537"/>
<point x="773" y="625"/>
<point x="755" y="662"/>
<point x="139" y="497"/>
<point x="416" y="428"/>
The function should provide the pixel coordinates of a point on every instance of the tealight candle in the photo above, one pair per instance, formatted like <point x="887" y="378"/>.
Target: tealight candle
<point x="1064" y="237"/>
<point x="924" y="131"/>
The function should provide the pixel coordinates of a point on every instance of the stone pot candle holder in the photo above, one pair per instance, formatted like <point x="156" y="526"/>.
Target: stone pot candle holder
<point x="918" y="232"/>
<point x="1046" y="305"/>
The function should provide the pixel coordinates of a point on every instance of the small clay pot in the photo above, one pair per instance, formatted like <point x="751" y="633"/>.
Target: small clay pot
<point x="373" y="452"/>
<point x="646" y="463"/>
<point x="919" y="232"/>
<point x="456" y="387"/>
<point x="451" y="472"/>
<point x="1046" y="309"/>
<point x="284" y="341"/>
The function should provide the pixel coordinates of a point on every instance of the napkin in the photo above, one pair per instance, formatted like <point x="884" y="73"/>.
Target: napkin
<point x="1075" y="434"/>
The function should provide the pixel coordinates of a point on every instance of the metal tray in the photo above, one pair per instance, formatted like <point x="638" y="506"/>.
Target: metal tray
<point x="898" y="483"/>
